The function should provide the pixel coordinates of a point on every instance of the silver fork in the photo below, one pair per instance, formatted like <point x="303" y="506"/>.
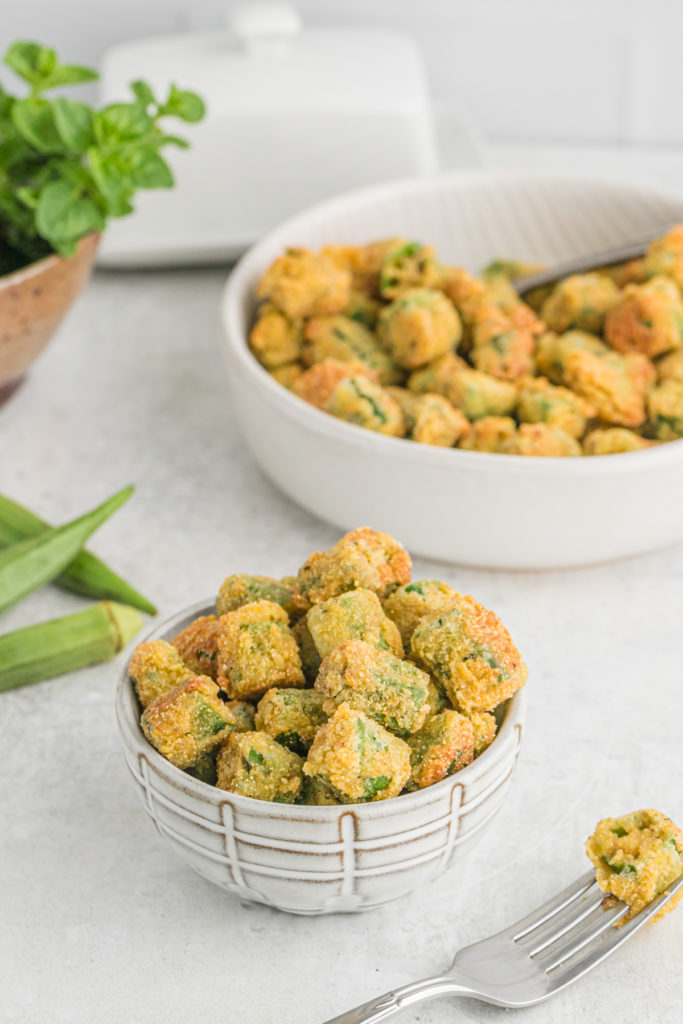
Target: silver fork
<point x="529" y="961"/>
<point x="630" y="250"/>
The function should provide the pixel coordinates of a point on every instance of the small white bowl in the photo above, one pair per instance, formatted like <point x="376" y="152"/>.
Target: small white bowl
<point x="316" y="860"/>
<point x="500" y="511"/>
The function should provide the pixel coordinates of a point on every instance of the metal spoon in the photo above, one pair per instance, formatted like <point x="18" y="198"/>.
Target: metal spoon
<point x="630" y="250"/>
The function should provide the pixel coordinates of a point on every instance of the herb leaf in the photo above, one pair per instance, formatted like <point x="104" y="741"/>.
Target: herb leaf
<point x="121" y="122"/>
<point x="146" y="169"/>
<point x="185" y="105"/>
<point x="142" y="92"/>
<point x="39" y="66"/>
<point x="74" y="123"/>
<point x="31" y="61"/>
<point x="34" y="120"/>
<point x="62" y="215"/>
<point x="64" y="167"/>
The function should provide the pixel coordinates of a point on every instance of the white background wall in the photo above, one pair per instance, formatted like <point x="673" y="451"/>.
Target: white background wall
<point x="586" y="71"/>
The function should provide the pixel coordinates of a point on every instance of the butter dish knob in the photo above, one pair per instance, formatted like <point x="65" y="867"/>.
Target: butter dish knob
<point x="265" y="27"/>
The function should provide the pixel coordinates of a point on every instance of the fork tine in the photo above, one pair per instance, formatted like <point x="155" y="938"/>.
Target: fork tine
<point x="548" y="910"/>
<point x="590" y="929"/>
<point x="612" y="940"/>
<point x="567" y="922"/>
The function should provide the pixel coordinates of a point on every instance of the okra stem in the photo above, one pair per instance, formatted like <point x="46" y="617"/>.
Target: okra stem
<point x="52" y="648"/>
<point x="28" y="564"/>
<point x="86" y="574"/>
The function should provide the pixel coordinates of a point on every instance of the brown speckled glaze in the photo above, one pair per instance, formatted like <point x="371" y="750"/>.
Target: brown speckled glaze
<point x="33" y="302"/>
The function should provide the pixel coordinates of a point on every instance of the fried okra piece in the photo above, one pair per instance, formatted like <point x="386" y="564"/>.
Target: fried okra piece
<point x="500" y="293"/>
<point x="472" y="296"/>
<point x="362" y="558"/>
<point x="541" y="439"/>
<point x="437" y="700"/>
<point x="613" y="384"/>
<point x="539" y="401"/>
<point x="242" y="713"/>
<point x="344" y="256"/>
<point x="393" y="692"/>
<point x="509" y="269"/>
<point x="274" y="339"/>
<point x="466" y="292"/>
<point x="478" y="394"/>
<point x="155" y="668"/>
<point x="442" y="747"/>
<point x="317" y="384"/>
<point x="637" y="856"/>
<point x="205" y="769"/>
<point x="291" y="717"/>
<point x="303" y="284"/>
<point x="338" y="337"/>
<point x="580" y="302"/>
<point x="665" y="256"/>
<point x="670" y="367"/>
<point x="356" y="615"/>
<point x="489" y="434"/>
<point x="475" y="393"/>
<point x="411" y="602"/>
<point x="188" y="721"/>
<point x="316" y="793"/>
<point x="630" y="272"/>
<point x="552" y="351"/>
<point x="470" y="653"/>
<point x="535" y="297"/>
<point x="240" y="589"/>
<point x="197" y="645"/>
<point x="648" y="318"/>
<point x="484" y="729"/>
<point x="435" y="377"/>
<point x="288" y="374"/>
<point x="430" y="418"/>
<point x="356" y="759"/>
<point x="412" y="265"/>
<point x="499" y="347"/>
<point x="640" y="369"/>
<point x="359" y="400"/>
<point x="524" y="318"/>
<point x="363" y="309"/>
<point x="257" y="650"/>
<point x="310" y="659"/>
<point x="665" y="411"/>
<point x="419" y="326"/>
<point x="253" y="764"/>
<point x="613" y="441"/>
<point x="364" y="262"/>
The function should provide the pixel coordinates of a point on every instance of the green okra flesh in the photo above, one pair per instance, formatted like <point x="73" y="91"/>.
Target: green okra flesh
<point x="30" y="563"/>
<point x="49" y="649"/>
<point x="85" y="574"/>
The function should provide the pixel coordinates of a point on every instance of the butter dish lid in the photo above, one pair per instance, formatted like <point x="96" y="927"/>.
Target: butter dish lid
<point x="294" y="114"/>
<point x="266" y="61"/>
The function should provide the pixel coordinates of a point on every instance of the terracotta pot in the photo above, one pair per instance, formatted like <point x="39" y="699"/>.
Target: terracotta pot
<point x="33" y="301"/>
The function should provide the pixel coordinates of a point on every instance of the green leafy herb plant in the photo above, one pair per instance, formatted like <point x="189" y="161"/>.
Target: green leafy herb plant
<point x="65" y="168"/>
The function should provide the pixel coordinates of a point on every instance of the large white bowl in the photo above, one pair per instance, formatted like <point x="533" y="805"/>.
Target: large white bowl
<point x="488" y="510"/>
<point x="316" y="860"/>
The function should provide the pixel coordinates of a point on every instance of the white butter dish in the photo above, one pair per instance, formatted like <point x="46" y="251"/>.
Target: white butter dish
<point x="293" y="115"/>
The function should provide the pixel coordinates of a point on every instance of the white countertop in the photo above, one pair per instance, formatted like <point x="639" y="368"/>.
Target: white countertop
<point x="99" y="921"/>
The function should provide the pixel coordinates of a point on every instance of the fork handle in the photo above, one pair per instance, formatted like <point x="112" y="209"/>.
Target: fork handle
<point x="391" y="1003"/>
